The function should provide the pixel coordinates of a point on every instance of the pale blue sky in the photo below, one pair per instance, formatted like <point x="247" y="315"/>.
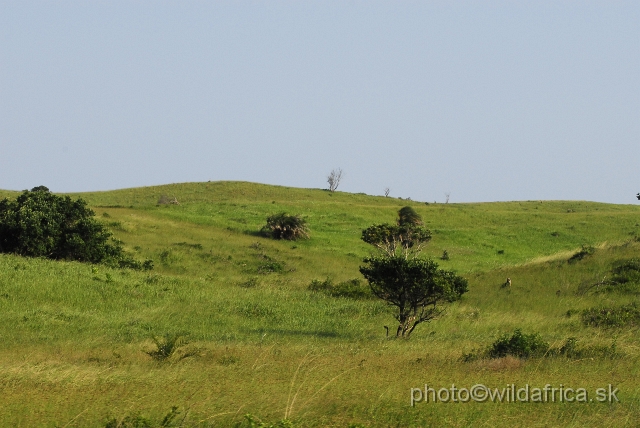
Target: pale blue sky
<point x="484" y="100"/>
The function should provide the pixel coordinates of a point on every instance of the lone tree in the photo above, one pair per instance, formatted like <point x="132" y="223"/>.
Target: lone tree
<point x="41" y="224"/>
<point x="334" y="178"/>
<point x="397" y="275"/>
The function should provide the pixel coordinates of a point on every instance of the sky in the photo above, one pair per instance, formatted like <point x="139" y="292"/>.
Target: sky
<point x="478" y="100"/>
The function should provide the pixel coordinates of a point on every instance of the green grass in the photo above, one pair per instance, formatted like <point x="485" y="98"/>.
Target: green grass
<point x="76" y="338"/>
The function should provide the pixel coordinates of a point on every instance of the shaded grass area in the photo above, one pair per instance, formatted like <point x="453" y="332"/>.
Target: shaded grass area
<point x="78" y="340"/>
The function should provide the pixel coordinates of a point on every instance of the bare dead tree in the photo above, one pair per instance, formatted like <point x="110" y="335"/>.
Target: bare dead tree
<point x="447" y="197"/>
<point x="334" y="179"/>
<point x="386" y="192"/>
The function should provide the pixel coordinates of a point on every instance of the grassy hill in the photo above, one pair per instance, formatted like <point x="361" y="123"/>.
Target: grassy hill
<point x="76" y="337"/>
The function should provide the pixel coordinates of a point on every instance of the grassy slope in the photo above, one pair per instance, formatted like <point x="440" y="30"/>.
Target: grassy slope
<point x="74" y="335"/>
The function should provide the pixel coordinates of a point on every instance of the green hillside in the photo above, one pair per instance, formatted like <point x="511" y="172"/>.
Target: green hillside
<point x="258" y="342"/>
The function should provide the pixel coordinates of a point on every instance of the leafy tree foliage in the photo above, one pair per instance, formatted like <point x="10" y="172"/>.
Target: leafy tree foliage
<point x="415" y="286"/>
<point x="286" y="226"/>
<point x="41" y="224"/>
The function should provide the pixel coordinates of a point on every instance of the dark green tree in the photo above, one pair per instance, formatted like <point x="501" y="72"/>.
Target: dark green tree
<point x="41" y="224"/>
<point x="397" y="275"/>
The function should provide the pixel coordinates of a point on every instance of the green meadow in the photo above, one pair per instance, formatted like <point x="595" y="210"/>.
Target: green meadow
<point x="257" y="348"/>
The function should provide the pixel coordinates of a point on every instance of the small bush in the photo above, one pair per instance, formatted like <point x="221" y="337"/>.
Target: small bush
<point x="228" y="360"/>
<point x="524" y="346"/>
<point x="625" y="277"/>
<point x="407" y="216"/>
<point x="321" y="286"/>
<point x="167" y="346"/>
<point x="626" y="271"/>
<point x="249" y="283"/>
<point x="351" y="289"/>
<point x="167" y="200"/>
<point x="474" y="355"/>
<point x="585" y="251"/>
<point x="254" y="422"/>
<point x="257" y="310"/>
<point x="621" y="316"/>
<point x="571" y="312"/>
<point x="518" y="345"/>
<point x="270" y="266"/>
<point x="187" y="245"/>
<point x="139" y="421"/>
<point x="286" y="226"/>
<point x="570" y="349"/>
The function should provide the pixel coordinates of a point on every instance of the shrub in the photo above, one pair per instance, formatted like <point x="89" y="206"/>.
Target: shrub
<point x="270" y="266"/>
<point x="407" y="216"/>
<point x="570" y="349"/>
<point x="41" y="224"/>
<point x="524" y="346"/>
<point x="249" y="283"/>
<point x="621" y="316"/>
<point x="625" y="277"/>
<point x="166" y="200"/>
<point x="585" y="251"/>
<point x="139" y="421"/>
<point x="254" y="422"/>
<point x="286" y="226"/>
<point x="518" y="345"/>
<point x="167" y="346"/>
<point x="626" y="271"/>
